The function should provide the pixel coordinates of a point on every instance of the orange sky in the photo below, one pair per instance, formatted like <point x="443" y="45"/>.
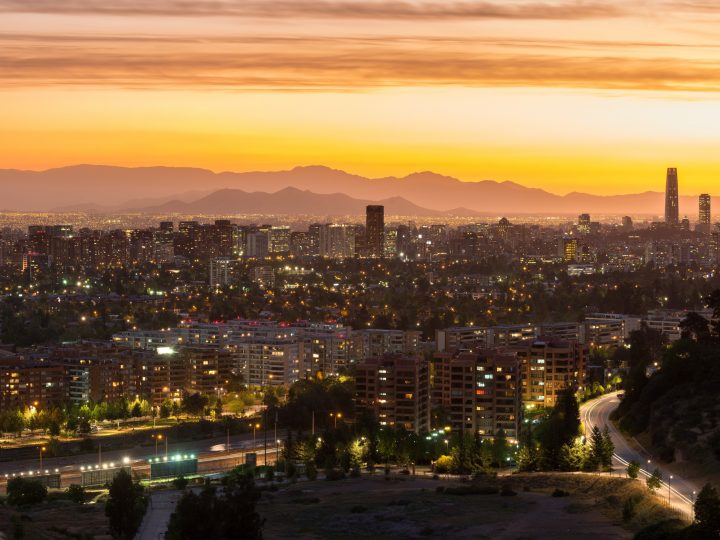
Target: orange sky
<point x="594" y="96"/>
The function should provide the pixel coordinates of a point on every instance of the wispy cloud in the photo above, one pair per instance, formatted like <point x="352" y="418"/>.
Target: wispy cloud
<point x="287" y="64"/>
<point x="368" y="9"/>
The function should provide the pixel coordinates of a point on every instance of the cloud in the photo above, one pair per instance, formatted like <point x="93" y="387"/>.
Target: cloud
<point x="297" y="64"/>
<point x="351" y="9"/>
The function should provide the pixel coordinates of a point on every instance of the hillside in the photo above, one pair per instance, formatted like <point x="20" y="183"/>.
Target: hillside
<point x="676" y="410"/>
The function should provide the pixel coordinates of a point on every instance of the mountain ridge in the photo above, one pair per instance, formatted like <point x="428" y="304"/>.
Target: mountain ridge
<point x="112" y="188"/>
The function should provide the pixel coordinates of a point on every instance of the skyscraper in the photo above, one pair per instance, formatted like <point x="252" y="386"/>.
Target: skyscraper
<point x="671" y="197"/>
<point x="375" y="230"/>
<point x="704" y="213"/>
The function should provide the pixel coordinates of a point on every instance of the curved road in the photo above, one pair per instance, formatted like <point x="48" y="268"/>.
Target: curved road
<point x="680" y="493"/>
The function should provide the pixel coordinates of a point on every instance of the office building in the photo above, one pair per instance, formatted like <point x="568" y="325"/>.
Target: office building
<point x="220" y="272"/>
<point x="704" y="216"/>
<point x="672" y="209"/>
<point x="375" y="231"/>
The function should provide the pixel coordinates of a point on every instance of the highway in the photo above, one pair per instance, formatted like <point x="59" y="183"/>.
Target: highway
<point x="213" y="455"/>
<point x="680" y="492"/>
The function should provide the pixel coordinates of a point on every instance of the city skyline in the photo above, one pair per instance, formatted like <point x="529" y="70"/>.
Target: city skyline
<point x="536" y="93"/>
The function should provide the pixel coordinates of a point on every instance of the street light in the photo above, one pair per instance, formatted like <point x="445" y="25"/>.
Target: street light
<point x="447" y="445"/>
<point x="336" y="416"/>
<point x="254" y="428"/>
<point x="159" y="437"/>
<point x="42" y="449"/>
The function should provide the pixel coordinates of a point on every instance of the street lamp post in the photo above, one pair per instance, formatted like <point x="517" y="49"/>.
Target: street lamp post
<point x="254" y="427"/>
<point x="42" y="449"/>
<point x="669" y="492"/>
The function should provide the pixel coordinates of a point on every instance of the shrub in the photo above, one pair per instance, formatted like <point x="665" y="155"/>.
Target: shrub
<point x="76" y="493"/>
<point x="443" y="464"/>
<point x="557" y="492"/>
<point x="180" y="483"/>
<point x="334" y="474"/>
<point x="629" y="510"/>
<point x="21" y="491"/>
<point x="633" y="469"/>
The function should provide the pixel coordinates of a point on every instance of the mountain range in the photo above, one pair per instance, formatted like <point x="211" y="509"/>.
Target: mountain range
<point x="312" y="190"/>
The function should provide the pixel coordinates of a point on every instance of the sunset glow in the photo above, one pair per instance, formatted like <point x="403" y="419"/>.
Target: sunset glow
<point x="565" y="95"/>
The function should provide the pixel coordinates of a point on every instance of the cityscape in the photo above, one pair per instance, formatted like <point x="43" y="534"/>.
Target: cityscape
<point x="360" y="270"/>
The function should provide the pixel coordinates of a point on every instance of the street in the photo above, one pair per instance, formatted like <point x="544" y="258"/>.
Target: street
<point x="213" y="455"/>
<point x="680" y="492"/>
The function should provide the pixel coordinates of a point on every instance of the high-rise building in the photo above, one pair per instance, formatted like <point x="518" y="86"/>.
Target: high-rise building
<point x="627" y="223"/>
<point x="584" y="224"/>
<point x="704" y="213"/>
<point x="480" y="390"/>
<point x="568" y="249"/>
<point x="375" y="230"/>
<point x="395" y="389"/>
<point x="337" y="241"/>
<point x="279" y="239"/>
<point x="672" y="210"/>
<point x="220" y="271"/>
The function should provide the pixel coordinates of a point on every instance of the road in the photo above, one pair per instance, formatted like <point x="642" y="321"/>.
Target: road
<point x="213" y="455"/>
<point x="156" y="519"/>
<point x="680" y="492"/>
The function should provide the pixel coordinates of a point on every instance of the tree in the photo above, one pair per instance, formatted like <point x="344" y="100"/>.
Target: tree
<point x="561" y="427"/>
<point x="654" y="481"/>
<point x="76" y="493"/>
<point x="694" y="326"/>
<point x="226" y="515"/>
<point x="633" y="469"/>
<point x="195" y="404"/>
<point x="576" y="457"/>
<point x="21" y="492"/>
<point x="596" y="445"/>
<point x="707" y="510"/>
<point x="125" y="506"/>
<point x="607" y="449"/>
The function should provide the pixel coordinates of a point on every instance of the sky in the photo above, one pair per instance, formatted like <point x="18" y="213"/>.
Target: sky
<point x="567" y="95"/>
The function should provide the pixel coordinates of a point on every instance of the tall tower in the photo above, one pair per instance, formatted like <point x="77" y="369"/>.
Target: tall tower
<point x="671" y="197"/>
<point x="704" y="211"/>
<point x="375" y="230"/>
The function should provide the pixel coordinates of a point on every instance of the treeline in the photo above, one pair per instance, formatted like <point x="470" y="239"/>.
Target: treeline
<point x="671" y="391"/>
<point x="553" y="441"/>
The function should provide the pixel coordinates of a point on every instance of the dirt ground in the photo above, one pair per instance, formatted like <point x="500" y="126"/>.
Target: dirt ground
<point x="55" y="520"/>
<point x="374" y="509"/>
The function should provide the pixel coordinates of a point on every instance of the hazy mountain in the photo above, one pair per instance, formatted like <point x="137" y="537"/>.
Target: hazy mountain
<point x="286" y="201"/>
<point x="104" y="187"/>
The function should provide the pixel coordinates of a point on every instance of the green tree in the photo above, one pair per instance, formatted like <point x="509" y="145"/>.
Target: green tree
<point x="194" y="404"/>
<point x="125" y="506"/>
<point x="21" y="492"/>
<point x="608" y="449"/>
<point x="76" y="493"/>
<point x="654" y="481"/>
<point x="561" y="427"/>
<point x="633" y="469"/>
<point x="226" y="515"/>
<point x="707" y="510"/>
<point x="576" y="457"/>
